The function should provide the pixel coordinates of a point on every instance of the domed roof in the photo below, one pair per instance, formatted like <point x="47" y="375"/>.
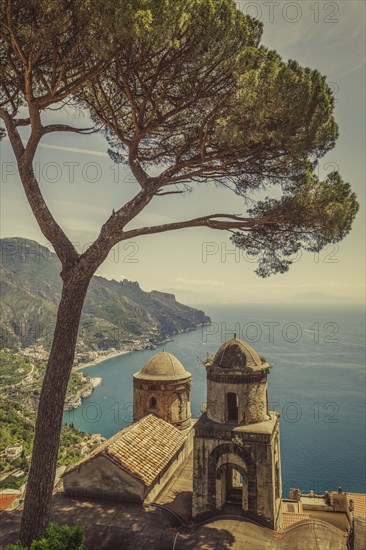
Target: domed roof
<point x="163" y="366"/>
<point x="237" y="354"/>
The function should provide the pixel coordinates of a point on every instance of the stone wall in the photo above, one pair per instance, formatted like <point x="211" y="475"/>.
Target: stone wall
<point x="100" y="478"/>
<point x="252" y="400"/>
<point x="167" y="400"/>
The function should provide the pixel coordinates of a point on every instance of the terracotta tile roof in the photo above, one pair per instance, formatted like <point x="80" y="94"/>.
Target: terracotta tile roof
<point x="7" y="500"/>
<point x="289" y="518"/>
<point x="144" y="449"/>
<point x="359" y="503"/>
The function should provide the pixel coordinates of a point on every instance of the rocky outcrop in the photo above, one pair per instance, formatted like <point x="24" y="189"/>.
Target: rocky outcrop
<point x="74" y="401"/>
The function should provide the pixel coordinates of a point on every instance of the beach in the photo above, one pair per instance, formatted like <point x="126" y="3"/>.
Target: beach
<point x="101" y="359"/>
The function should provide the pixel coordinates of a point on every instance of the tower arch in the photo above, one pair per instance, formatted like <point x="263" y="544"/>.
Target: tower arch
<point x="153" y="403"/>
<point x="222" y="461"/>
<point x="232" y="407"/>
<point x="231" y="487"/>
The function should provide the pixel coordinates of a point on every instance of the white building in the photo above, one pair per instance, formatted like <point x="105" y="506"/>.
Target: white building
<point x="13" y="452"/>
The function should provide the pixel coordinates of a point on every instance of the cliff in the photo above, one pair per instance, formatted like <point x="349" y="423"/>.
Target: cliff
<point x="117" y="315"/>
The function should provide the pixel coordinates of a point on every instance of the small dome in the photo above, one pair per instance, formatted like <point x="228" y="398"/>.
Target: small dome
<point x="163" y="366"/>
<point x="237" y="354"/>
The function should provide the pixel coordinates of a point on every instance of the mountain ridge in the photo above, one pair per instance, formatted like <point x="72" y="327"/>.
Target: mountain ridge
<point x="117" y="315"/>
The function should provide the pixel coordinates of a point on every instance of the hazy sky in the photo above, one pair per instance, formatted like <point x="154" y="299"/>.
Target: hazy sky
<point x="82" y="185"/>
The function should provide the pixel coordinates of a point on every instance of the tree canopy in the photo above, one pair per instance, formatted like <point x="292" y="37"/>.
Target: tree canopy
<point x="198" y="96"/>
<point x="185" y="87"/>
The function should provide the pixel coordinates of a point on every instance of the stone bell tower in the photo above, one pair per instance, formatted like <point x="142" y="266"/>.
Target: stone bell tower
<point x="163" y="387"/>
<point x="237" y="464"/>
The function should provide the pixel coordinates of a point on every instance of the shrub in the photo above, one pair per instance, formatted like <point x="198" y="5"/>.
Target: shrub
<point x="57" y="537"/>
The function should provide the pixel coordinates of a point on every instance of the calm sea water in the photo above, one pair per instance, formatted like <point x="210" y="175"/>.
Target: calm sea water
<point x="317" y="383"/>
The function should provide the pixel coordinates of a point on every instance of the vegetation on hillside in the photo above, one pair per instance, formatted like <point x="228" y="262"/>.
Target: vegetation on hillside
<point x="20" y="385"/>
<point x="21" y="380"/>
<point x="17" y="427"/>
<point x="116" y="314"/>
<point x="13" y="368"/>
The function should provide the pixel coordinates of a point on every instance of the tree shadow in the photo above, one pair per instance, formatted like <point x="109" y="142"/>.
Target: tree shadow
<point x="115" y="525"/>
<point x="9" y="527"/>
<point x="209" y="538"/>
<point x="181" y="505"/>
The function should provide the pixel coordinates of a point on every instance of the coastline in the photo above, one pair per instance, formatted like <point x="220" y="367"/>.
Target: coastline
<point x="101" y="359"/>
<point x="143" y="346"/>
<point x="75" y="401"/>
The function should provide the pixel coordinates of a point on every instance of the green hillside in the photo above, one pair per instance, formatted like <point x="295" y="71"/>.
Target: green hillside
<point x="16" y="426"/>
<point x="21" y="379"/>
<point x="20" y="385"/>
<point x="116" y="314"/>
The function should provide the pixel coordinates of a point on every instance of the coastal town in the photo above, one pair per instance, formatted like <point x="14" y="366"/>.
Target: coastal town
<point x="21" y="377"/>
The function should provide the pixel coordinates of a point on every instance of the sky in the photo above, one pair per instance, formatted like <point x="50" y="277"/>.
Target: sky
<point x="200" y="266"/>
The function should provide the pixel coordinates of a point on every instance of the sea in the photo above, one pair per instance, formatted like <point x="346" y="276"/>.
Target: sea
<point x="317" y="383"/>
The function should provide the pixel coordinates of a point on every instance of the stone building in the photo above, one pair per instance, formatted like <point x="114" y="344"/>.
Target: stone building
<point x="236" y="445"/>
<point x="162" y="387"/>
<point x="235" y="466"/>
<point x="132" y="466"/>
<point x="136" y="463"/>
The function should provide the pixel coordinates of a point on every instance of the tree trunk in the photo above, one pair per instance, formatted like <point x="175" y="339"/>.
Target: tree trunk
<point x="41" y="479"/>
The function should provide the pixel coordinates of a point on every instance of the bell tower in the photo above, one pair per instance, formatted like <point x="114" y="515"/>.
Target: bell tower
<point x="237" y="464"/>
<point x="163" y="387"/>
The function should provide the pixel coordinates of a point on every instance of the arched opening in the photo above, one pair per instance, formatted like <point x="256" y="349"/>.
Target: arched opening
<point x="232" y="489"/>
<point x="232" y="407"/>
<point x="153" y="403"/>
<point x="222" y="458"/>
